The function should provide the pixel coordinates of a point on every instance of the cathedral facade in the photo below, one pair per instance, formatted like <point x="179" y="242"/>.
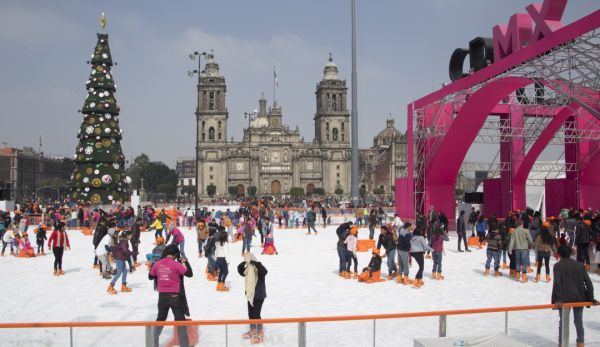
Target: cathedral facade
<point x="271" y="156"/>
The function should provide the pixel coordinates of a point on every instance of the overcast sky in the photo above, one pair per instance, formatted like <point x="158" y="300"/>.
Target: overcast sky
<point x="403" y="53"/>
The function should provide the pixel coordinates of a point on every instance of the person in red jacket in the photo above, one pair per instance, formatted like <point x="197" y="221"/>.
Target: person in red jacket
<point x="57" y="242"/>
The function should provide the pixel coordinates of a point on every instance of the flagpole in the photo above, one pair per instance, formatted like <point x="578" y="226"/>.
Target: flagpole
<point x="274" y="78"/>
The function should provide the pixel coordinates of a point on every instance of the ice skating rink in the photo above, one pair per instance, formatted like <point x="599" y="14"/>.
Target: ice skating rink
<point x="302" y="281"/>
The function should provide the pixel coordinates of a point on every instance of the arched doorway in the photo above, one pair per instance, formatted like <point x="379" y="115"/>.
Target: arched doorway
<point x="310" y="188"/>
<point x="276" y="188"/>
<point x="241" y="190"/>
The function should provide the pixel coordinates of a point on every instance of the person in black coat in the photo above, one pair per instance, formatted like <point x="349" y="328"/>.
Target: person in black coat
<point x="461" y="231"/>
<point x="571" y="284"/>
<point x="256" y="293"/>
<point x="100" y="231"/>
<point x="135" y="240"/>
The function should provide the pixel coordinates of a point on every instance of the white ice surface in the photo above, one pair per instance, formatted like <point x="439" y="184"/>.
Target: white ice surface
<point x="302" y="281"/>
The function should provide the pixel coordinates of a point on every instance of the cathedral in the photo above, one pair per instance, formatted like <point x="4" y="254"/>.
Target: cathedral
<point x="272" y="157"/>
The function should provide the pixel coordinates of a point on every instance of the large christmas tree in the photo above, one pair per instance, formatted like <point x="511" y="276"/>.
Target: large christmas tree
<point x="99" y="176"/>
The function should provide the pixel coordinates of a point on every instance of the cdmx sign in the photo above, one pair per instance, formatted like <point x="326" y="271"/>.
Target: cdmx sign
<point x="541" y="20"/>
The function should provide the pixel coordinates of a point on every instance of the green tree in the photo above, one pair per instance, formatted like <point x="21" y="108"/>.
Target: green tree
<point x="339" y="191"/>
<point x="252" y="191"/>
<point x="211" y="189"/>
<point x="319" y="191"/>
<point x="296" y="191"/>
<point x="233" y="190"/>
<point x="188" y="190"/>
<point x="158" y="177"/>
<point x="99" y="175"/>
<point x="362" y="191"/>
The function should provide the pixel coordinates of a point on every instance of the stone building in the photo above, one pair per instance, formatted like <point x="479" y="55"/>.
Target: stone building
<point x="384" y="161"/>
<point x="25" y="174"/>
<point x="271" y="156"/>
<point x="186" y="175"/>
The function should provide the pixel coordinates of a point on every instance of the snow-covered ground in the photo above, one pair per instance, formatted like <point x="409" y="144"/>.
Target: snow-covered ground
<point x="302" y="281"/>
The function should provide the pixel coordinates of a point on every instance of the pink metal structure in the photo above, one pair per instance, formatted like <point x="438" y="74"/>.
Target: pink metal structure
<point x="541" y="87"/>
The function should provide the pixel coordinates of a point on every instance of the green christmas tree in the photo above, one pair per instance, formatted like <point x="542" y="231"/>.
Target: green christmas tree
<point x="99" y="175"/>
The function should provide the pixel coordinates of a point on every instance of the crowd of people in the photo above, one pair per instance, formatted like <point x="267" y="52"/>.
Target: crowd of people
<point x="522" y="243"/>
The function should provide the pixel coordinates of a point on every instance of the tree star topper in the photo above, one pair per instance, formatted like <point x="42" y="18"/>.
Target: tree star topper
<point x="103" y="21"/>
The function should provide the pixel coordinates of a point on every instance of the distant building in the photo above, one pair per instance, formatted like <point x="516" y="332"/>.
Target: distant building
<point x="26" y="174"/>
<point x="384" y="161"/>
<point x="186" y="174"/>
<point x="271" y="156"/>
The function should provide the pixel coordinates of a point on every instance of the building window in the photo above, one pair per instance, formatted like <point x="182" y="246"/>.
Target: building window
<point x="338" y="175"/>
<point x="327" y="126"/>
<point x="211" y="177"/>
<point x="219" y="124"/>
<point x="203" y="136"/>
<point x="337" y="167"/>
<point x="210" y="168"/>
<point x="203" y="124"/>
<point x="211" y="101"/>
<point x="219" y="136"/>
<point x="334" y="134"/>
<point x="211" y="134"/>
<point x="343" y="136"/>
<point x="334" y="103"/>
<point x="338" y="182"/>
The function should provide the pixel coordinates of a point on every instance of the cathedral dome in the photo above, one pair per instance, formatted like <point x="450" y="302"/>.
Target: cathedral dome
<point x="388" y="134"/>
<point x="330" y="72"/>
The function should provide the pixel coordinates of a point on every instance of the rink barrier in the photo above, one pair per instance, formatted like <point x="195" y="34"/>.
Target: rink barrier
<point x="302" y="321"/>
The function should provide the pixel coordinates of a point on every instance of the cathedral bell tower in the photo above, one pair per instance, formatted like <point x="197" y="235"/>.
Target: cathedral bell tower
<point x="212" y="114"/>
<point x="332" y="120"/>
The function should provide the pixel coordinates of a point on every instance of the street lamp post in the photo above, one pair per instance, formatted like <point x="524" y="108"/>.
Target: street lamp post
<point x="249" y="116"/>
<point x="190" y="74"/>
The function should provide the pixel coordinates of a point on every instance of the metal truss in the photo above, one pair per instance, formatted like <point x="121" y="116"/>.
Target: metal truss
<point x="567" y="74"/>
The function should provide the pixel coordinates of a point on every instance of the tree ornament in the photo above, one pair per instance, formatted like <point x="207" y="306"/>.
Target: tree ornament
<point x="106" y="179"/>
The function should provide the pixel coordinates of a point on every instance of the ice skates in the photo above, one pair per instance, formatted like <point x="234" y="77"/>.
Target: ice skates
<point x="524" y="278"/>
<point x="537" y="278"/>
<point x="497" y="273"/>
<point x="548" y="278"/>
<point x="111" y="290"/>
<point x="486" y="272"/>
<point x="221" y="287"/>
<point x="124" y="288"/>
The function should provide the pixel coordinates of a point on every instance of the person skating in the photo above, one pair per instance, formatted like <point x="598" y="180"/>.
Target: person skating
<point x="209" y="252"/>
<point x="582" y="241"/>
<point x="135" y="240"/>
<point x="57" y="242"/>
<point x="342" y="233"/>
<point x="544" y="246"/>
<point x="158" y="228"/>
<point x="256" y="292"/>
<point x="372" y="273"/>
<point x="372" y="221"/>
<point x="40" y="239"/>
<point x="178" y="240"/>
<point x="121" y="253"/>
<point x="418" y="246"/>
<point x="520" y="242"/>
<point x="494" y="247"/>
<point x="481" y="228"/>
<point x="102" y="251"/>
<point x="437" y="244"/>
<point x="168" y="273"/>
<point x="403" y="249"/>
<point x="248" y="234"/>
<point x="222" y="255"/>
<point x="201" y="235"/>
<point x="387" y="239"/>
<point x="8" y="240"/>
<point x="311" y="217"/>
<point x="267" y="229"/>
<point x="156" y="252"/>
<point x="571" y="284"/>
<point x="350" y="243"/>
<point x="461" y="231"/>
<point x="99" y="232"/>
